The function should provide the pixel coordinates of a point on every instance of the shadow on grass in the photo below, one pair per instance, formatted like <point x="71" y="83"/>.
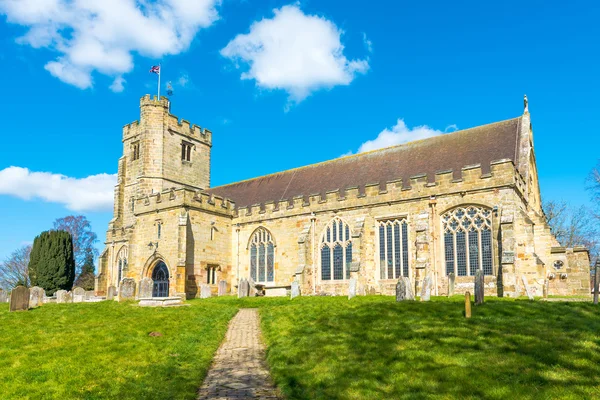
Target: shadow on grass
<point x="374" y="348"/>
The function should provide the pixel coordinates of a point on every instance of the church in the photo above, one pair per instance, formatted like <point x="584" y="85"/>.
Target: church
<point x="435" y="210"/>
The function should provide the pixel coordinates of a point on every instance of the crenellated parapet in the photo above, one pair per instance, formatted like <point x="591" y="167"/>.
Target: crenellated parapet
<point x="183" y="198"/>
<point x="502" y="174"/>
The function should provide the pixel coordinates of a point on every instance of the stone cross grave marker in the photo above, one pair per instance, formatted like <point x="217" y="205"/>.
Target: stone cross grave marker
<point x="479" y="287"/>
<point x="222" y="288"/>
<point x="352" y="288"/>
<point x="146" y="287"/>
<point x="527" y="288"/>
<point x="127" y="289"/>
<point x="295" y="292"/>
<point x="111" y="292"/>
<point x="19" y="299"/>
<point x="3" y="296"/>
<point x="78" y="295"/>
<point x="426" y="291"/>
<point x="62" y="296"/>
<point x="451" y="279"/>
<point x="36" y="297"/>
<point x="205" y="292"/>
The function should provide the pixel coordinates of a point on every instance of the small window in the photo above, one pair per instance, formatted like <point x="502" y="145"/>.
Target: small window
<point x="158" y="229"/>
<point x="186" y="151"/>
<point x="211" y="274"/>
<point x="135" y="147"/>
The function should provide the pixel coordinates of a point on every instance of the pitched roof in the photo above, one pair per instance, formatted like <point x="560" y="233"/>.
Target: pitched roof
<point x="453" y="151"/>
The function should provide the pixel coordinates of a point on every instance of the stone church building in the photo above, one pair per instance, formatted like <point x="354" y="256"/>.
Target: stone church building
<point x="451" y="204"/>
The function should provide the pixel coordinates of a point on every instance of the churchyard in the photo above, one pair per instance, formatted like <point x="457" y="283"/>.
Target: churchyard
<point x="368" y="347"/>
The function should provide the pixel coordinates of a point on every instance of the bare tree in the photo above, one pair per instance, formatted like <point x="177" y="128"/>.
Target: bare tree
<point x="83" y="237"/>
<point x="14" y="270"/>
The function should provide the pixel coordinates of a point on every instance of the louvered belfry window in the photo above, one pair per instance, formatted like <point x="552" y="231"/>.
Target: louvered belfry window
<point x="468" y="240"/>
<point x="262" y="256"/>
<point x="393" y="248"/>
<point x="336" y="251"/>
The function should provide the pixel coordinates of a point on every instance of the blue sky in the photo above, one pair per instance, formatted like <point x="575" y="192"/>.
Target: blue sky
<point x="281" y="85"/>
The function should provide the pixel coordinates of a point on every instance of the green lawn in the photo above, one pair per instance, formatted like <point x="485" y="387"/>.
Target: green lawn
<point x="318" y="348"/>
<point x="375" y="348"/>
<point x="103" y="351"/>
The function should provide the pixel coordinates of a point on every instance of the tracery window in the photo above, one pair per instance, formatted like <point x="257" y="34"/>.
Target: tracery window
<point x="468" y="240"/>
<point x="393" y="248"/>
<point x="336" y="251"/>
<point x="262" y="256"/>
<point x="186" y="151"/>
<point x="211" y="274"/>
<point x="135" y="147"/>
<point x="121" y="263"/>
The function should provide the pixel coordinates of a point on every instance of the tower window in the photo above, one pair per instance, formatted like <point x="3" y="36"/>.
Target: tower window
<point x="186" y="151"/>
<point x="135" y="147"/>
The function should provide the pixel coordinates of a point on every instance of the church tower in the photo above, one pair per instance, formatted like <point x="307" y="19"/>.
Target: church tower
<point x="160" y="153"/>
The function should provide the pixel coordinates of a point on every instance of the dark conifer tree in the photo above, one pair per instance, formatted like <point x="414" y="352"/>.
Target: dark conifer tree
<point x="52" y="264"/>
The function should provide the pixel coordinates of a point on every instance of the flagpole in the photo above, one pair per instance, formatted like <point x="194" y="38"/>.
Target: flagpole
<point x="159" y="68"/>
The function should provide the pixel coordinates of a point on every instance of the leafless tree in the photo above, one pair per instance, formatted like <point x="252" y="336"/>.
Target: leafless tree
<point x="83" y="237"/>
<point x="14" y="270"/>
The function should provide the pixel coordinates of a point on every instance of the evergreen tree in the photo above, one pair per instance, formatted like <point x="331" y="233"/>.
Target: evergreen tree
<point x="52" y="264"/>
<point x="86" y="278"/>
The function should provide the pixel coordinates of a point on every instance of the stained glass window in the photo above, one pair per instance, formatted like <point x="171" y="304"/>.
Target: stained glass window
<point x="336" y="251"/>
<point x="468" y="240"/>
<point x="262" y="256"/>
<point x="393" y="248"/>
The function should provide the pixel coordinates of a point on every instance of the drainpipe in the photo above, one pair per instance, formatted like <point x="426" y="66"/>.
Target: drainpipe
<point x="433" y="251"/>
<point x="313" y="219"/>
<point x="238" y="255"/>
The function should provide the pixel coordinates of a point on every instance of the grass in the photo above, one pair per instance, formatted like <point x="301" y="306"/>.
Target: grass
<point x="318" y="348"/>
<point x="103" y="351"/>
<point x="375" y="348"/>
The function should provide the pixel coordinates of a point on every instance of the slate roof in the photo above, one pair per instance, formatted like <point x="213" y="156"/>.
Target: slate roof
<point x="453" y="151"/>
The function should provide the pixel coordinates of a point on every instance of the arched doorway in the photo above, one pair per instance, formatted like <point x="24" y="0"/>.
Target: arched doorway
<point x="160" y="276"/>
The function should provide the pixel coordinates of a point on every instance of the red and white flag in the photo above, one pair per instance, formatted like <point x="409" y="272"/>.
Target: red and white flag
<point x="155" y="69"/>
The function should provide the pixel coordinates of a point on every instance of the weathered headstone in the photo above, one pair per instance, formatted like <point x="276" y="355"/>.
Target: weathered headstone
<point x="111" y="292"/>
<point x="295" y="292"/>
<point x="451" y="279"/>
<point x="19" y="299"/>
<point x="62" y="296"/>
<point x="352" y="286"/>
<point x="127" y="289"/>
<point x="89" y="294"/>
<point x="426" y="291"/>
<point x="3" y="296"/>
<point x="479" y="287"/>
<point x="222" y="288"/>
<point x="78" y="295"/>
<point x="467" y="305"/>
<point x="527" y="288"/>
<point x="36" y="296"/>
<point x="205" y="292"/>
<point x="401" y="290"/>
<point x="243" y="288"/>
<point x="146" y="287"/>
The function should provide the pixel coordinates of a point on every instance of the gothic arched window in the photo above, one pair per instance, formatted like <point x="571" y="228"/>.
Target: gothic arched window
<point x="121" y="263"/>
<point x="393" y="248"/>
<point x="262" y="256"/>
<point x="336" y="251"/>
<point x="468" y="240"/>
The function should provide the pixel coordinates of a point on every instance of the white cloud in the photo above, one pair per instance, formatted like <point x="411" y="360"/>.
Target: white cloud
<point x="368" y="43"/>
<point x="94" y="193"/>
<point x="294" y="52"/>
<point x="183" y="80"/>
<point x="102" y="35"/>
<point x="117" y="85"/>
<point x="399" y="134"/>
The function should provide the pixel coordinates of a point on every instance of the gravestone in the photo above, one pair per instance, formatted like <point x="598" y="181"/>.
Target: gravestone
<point x="451" y="279"/>
<point x="146" y="287"/>
<point x="111" y="292"/>
<point x="401" y="290"/>
<point x="479" y="287"/>
<point x="467" y="305"/>
<point x="3" y="296"/>
<point x="19" y="299"/>
<point x="89" y="294"/>
<point x="205" y="292"/>
<point x="295" y="292"/>
<point x="36" y="296"/>
<point x="426" y="291"/>
<point x="243" y="288"/>
<point x="127" y="289"/>
<point x="62" y="296"/>
<point x="527" y="288"/>
<point x="78" y="295"/>
<point x="222" y="288"/>
<point x="352" y="286"/>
